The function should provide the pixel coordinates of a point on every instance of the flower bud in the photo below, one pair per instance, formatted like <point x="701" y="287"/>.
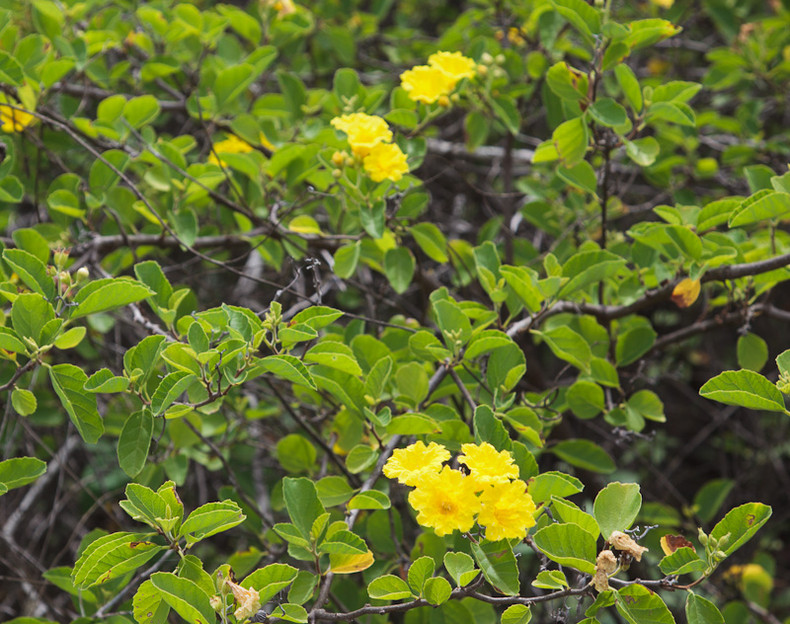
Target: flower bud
<point x="81" y="275"/>
<point x="336" y="173"/>
<point x="338" y="158"/>
<point x="444" y="101"/>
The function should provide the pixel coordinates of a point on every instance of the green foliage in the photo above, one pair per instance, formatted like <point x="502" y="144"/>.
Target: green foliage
<point x="250" y="257"/>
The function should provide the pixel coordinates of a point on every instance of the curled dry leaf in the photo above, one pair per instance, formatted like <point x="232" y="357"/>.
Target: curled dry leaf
<point x="626" y="543"/>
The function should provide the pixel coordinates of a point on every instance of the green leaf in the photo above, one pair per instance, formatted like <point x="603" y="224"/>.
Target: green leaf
<point x="647" y="404"/>
<point x="616" y="507"/>
<point x="19" y="471"/>
<point x="270" y="580"/>
<point x="316" y="317"/>
<point x="630" y="86"/>
<point x="710" y="497"/>
<point x="185" y="597"/>
<point x="334" y="355"/>
<point x="633" y="344"/>
<point x="506" y="111"/>
<point x="296" y="453"/>
<point x="752" y="352"/>
<point x="550" y="579"/>
<point x="700" y="610"/>
<point x="111" y="556"/>
<point x="210" y="519"/>
<point x="570" y="139"/>
<point x="486" y="341"/>
<point x="586" y="399"/>
<point x="741" y="524"/>
<point x="104" y="381"/>
<point x="673" y="112"/>
<point x="399" y="268"/>
<point x="437" y="590"/>
<point x="140" y="111"/>
<point x="589" y="267"/>
<point x="108" y="294"/>
<point x="371" y="499"/>
<point x="343" y="543"/>
<point x="682" y="561"/>
<point x="516" y="614"/>
<point x="762" y="206"/>
<point x="301" y="500"/>
<point x="642" y="151"/>
<point x="744" y="388"/>
<point x="69" y="383"/>
<point x="31" y="271"/>
<point x="567" y="82"/>
<point x="231" y="82"/>
<point x="582" y="176"/>
<point x="639" y="605"/>
<point x="346" y="259"/>
<point x="134" y="441"/>
<point x="420" y="571"/>
<point x="10" y="342"/>
<point x="389" y="587"/>
<point x="584" y="454"/>
<point x="498" y="564"/>
<point x="552" y="483"/>
<point x="461" y="567"/>
<point x="11" y="71"/>
<point x="287" y="367"/>
<point x="145" y="505"/>
<point x="608" y="113"/>
<point x="583" y="17"/>
<point x="148" y="606"/>
<point x="476" y="127"/>
<point x="23" y="401"/>
<point x="568" y="345"/>
<point x="453" y="323"/>
<point x="70" y="338"/>
<point x="566" y="511"/>
<point x="346" y="83"/>
<point x="431" y="241"/>
<point x="567" y="544"/>
<point x="169" y="389"/>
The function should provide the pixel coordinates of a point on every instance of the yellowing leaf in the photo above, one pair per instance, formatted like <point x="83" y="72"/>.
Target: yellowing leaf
<point x="670" y="543"/>
<point x="304" y="225"/>
<point x="686" y="292"/>
<point x="348" y="564"/>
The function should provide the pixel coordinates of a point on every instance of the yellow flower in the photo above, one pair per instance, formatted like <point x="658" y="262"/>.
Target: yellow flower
<point x="425" y="83"/>
<point x="487" y="465"/>
<point x="231" y="145"/>
<point x="454" y="65"/>
<point x="445" y="501"/>
<point x="14" y="119"/>
<point x="664" y="4"/>
<point x="507" y="511"/>
<point x="364" y="131"/>
<point x="411" y="464"/>
<point x="386" y="161"/>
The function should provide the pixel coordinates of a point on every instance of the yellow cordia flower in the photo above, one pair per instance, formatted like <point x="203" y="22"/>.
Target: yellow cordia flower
<point x="386" y="161"/>
<point x="454" y="65"/>
<point x="506" y="510"/>
<point x="13" y="119"/>
<point x="426" y="83"/>
<point x="664" y="4"/>
<point x="487" y="465"/>
<point x="445" y="501"/>
<point x="409" y="465"/>
<point x="231" y="145"/>
<point x="364" y="131"/>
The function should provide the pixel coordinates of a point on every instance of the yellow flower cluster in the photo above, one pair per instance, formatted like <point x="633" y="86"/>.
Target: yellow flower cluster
<point x="447" y="499"/>
<point x="428" y="83"/>
<point x="231" y="145"/>
<point x="12" y="119"/>
<point x="369" y="137"/>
